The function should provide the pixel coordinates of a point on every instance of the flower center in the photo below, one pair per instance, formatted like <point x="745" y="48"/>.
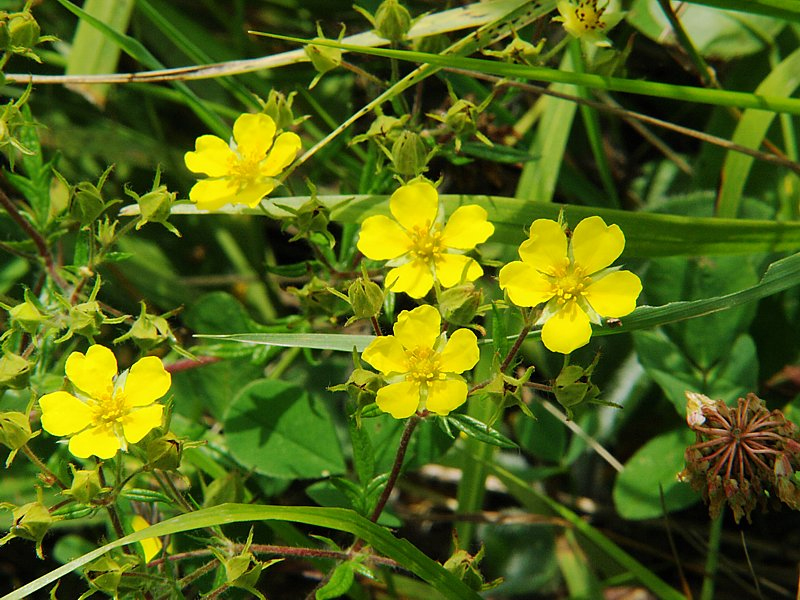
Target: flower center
<point x="588" y="17"/>
<point x="426" y="242"/>
<point x="108" y="410"/>
<point x="244" y="168"/>
<point x="569" y="284"/>
<point x="423" y="365"/>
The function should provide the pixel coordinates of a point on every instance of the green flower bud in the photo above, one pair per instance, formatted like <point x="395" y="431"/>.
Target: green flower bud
<point x="392" y="21"/>
<point x="459" y="304"/>
<point x="466" y="567"/>
<point x="164" y="453"/>
<point x="409" y="154"/>
<point x="148" y="331"/>
<point x="155" y="206"/>
<point x="383" y="130"/>
<point x="243" y="570"/>
<point x="24" y="30"/>
<point x="31" y="522"/>
<point x="573" y="386"/>
<point x="105" y="574"/>
<point x="85" y="485"/>
<point x="462" y="117"/>
<point x="324" y="58"/>
<point x="14" y="371"/>
<point x="86" y="318"/>
<point x="27" y="316"/>
<point x="15" y="429"/>
<point x="279" y="107"/>
<point x="366" y="298"/>
<point x="106" y="232"/>
<point x="87" y="203"/>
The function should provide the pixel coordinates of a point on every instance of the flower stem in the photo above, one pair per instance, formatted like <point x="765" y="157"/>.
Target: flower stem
<point x="517" y="345"/>
<point x="376" y="326"/>
<point x="402" y="448"/>
<point x="38" y="240"/>
<point x="712" y="559"/>
<point x="42" y="467"/>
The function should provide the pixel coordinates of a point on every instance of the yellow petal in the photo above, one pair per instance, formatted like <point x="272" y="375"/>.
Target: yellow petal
<point x="63" y="413"/>
<point x="415" y="205"/>
<point x="447" y="395"/>
<point x="94" y="372"/>
<point x="546" y="246"/>
<point x="212" y="156"/>
<point x="400" y="400"/>
<point x="418" y="328"/>
<point x="450" y="268"/>
<point x="253" y="135"/>
<point x="615" y="294"/>
<point x="567" y="330"/>
<point x="467" y="227"/>
<point x="150" y="546"/>
<point x="524" y="284"/>
<point x="381" y="238"/>
<point x="461" y="352"/>
<point x="413" y="278"/>
<point x="596" y="245"/>
<point x="97" y="441"/>
<point x="211" y="194"/>
<point x="139" y="422"/>
<point x="386" y="354"/>
<point x="254" y="192"/>
<point x="147" y="381"/>
<point x="282" y="154"/>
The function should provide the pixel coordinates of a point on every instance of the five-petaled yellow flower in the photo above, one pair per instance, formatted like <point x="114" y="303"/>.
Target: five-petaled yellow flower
<point x="583" y="19"/>
<point x="421" y="365"/>
<point x="244" y="171"/>
<point x="572" y="278"/>
<point x="115" y="410"/>
<point x="416" y="244"/>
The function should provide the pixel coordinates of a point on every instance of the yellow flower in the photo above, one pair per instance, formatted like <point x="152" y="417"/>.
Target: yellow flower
<point x="244" y="171"/>
<point x="417" y="246"/>
<point x="583" y="19"/>
<point x="421" y="365"/>
<point x="572" y="279"/>
<point x="150" y="546"/>
<point x="116" y="410"/>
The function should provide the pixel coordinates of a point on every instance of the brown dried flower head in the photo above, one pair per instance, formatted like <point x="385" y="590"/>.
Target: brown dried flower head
<point x="745" y="456"/>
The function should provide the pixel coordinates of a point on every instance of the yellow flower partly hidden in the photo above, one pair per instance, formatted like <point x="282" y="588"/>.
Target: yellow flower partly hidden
<point x="416" y="244"/>
<point x="572" y="279"/>
<point x="583" y="19"/>
<point x="244" y="171"/>
<point x="112" y="411"/>
<point x="421" y="365"/>
<point x="150" y="546"/>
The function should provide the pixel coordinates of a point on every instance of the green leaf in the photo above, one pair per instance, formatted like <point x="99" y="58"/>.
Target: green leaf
<point x="666" y="364"/>
<point x="363" y="454"/>
<point x="781" y="9"/>
<point x="545" y="437"/>
<point x="94" y="53"/>
<point x="280" y="430"/>
<point x="657" y="463"/>
<point x="751" y="129"/>
<point x="480" y="431"/>
<point x="338" y="519"/>
<point x="339" y="582"/>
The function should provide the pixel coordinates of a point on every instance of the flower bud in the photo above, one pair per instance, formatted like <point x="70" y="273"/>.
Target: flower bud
<point x="383" y="130"/>
<point x="164" y="453"/>
<point x="459" y="304"/>
<point x="85" y="485"/>
<point x="392" y="21"/>
<point x="86" y="318"/>
<point x="105" y="574"/>
<point x="23" y="30"/>
<point x="15" y="371"/>
<point x="31" y="522"/>
<point x="694" y="408"/>
<point x="462" y="117"/>
<point x="574" y="386"/>
<point x="27" y="316"/>
<point x="155" y="206"/>
<point x="87" y="203"/>
<point x="106" y="232"/>
<point x="409" y="154"/>
<point x="148" y="331"/>
<point x="279" y="108"/>
<point x="366" y="298"/>
<point x="15" y="429"/>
